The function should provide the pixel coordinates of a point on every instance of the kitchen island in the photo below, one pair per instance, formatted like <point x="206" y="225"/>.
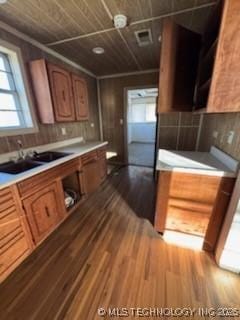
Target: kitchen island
<point x="194" y="189"/>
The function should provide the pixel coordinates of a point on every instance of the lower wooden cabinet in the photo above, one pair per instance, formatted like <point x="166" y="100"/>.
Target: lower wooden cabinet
<point x="91" y="177"/>
<point x="192" y="203"/>
<point x="31" y="209"/>
<point x="102" y="168"/>
<point x="44" y="211"/>
<point x="94" y="170"/>
<point x="15" y="240"/>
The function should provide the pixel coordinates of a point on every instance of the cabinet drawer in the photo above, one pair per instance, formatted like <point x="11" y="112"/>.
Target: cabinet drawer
<point x="200" y="188"/>
<point x="9" y="221"/>
<point x="15" y="243"/>
<point x="13" y="253"/>
<point x="101" y="153"/>
<point x="31" y="185"/>
<point x="89" y="157"/>
<point x="6" y="200"/>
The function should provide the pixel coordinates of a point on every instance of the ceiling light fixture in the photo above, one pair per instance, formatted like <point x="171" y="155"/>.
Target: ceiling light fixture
<point x="120" y="21"/>
<point x="3" y="1"/>
<point x="98" y="50"/>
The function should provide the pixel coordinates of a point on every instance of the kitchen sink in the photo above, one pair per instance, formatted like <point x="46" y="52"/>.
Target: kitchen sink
<point x="49" y="156"/>
<point x="19" y="166"/>
<point x="37" y="160"/>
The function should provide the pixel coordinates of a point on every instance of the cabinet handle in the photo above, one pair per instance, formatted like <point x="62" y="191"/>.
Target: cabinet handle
<point x="63" y="94"/>
<point x="47" y="212"/>
<point x="226" y="193"/>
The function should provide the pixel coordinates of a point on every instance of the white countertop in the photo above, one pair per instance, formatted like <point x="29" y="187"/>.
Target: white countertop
<point x="75" y="150"/>
<point x="215" y="162"/>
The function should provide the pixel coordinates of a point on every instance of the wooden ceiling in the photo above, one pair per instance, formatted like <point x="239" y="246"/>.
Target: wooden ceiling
<point x="74" y="27"/>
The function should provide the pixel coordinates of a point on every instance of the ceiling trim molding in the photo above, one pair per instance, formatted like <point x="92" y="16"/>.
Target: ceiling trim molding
<point x="132" y="23"/>
<point x="82" y="36"/>
<point x="206" y="5"/>
<point x="124" y="74"/>
<point x="44" y="48"/>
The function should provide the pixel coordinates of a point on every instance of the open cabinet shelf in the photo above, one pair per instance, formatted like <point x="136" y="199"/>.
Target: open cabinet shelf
<point x="72" y="191"/>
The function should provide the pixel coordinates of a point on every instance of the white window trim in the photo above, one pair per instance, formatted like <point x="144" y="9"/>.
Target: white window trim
<point x="21" y="81"/>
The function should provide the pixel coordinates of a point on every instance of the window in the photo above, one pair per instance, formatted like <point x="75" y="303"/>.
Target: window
<point x="151" y="112"/>
<point x="15" y="103"/>
<point x="142" y="112"/>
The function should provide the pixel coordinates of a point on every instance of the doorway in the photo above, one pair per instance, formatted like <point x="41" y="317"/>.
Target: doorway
<point x="141" y="126"/>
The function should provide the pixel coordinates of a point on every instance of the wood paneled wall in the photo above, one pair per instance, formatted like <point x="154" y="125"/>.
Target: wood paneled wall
<point x="221" y="123"/>
<point x="112" y="102"/>
<point x="52" y="133"/>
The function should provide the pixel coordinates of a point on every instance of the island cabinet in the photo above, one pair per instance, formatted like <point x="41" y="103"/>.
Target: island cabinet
<point x="60" y="95"/>
<point x="15" y="239"/>
<point x="193" y="204"/>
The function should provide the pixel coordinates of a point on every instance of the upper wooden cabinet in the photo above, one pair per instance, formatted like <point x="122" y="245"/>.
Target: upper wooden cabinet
<point x="80" y="97"/>
<point x="60" y="96"/>
<point x="178" y="67"/>
<point x="217" y="85"/>
<point x="225" y="82"/>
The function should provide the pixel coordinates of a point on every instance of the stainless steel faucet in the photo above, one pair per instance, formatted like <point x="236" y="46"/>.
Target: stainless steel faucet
<point x="21" y="154"/>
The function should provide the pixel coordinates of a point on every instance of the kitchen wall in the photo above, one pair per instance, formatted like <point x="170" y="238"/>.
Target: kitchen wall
<point x="141" y="132"/>
<point x="179" y="131"/>
<point x="52" y="133"/>
<point x="112" y="102"/>
<point x="221" y="123"/>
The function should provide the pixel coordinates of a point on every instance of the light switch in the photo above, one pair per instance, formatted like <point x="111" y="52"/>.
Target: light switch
<point x="215" y="134"/>
<point x="64" y="132"/>
<point x="121" y="122"/>
<point x="230" y="137"/>
<point x="92" y="125"/>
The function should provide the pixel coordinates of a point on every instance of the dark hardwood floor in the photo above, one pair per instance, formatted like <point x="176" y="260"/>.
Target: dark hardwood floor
<point x="107" y="254"/>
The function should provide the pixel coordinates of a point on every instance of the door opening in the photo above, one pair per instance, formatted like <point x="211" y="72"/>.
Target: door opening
<point x="141" y="126"/>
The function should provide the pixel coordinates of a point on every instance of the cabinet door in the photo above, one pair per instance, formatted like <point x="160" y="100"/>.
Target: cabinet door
<point x="91" y="177"/>
<point x="15" y="238"/>
<point x="225" y="85"/>
<point x="44" y="211"/>
<point x="218" y="215"/>
<point x="102" y="163"/>
<point x="103" y="168"/>
<point x="61" y="88"/>
<point x="178" y="67"/>
<point x="185" y="202"/>
<point x="80" y="97"/>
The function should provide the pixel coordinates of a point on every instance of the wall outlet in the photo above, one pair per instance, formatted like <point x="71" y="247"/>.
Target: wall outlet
<point x="215" y="134"/>
<point x="92" y="125"/>
<point x="230" y="137"/>
<point x="64" y="131"/>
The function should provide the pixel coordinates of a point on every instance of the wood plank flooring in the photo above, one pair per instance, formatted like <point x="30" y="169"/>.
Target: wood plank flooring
<point x="107" y="254"/>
